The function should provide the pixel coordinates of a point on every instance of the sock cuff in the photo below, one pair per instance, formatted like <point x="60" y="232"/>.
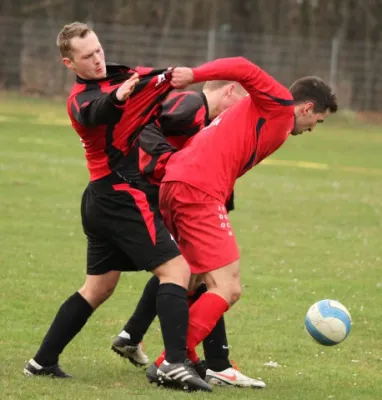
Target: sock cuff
<point x="153" y="283"/>
<point x="81" y="302"/>
<point x="216" y="301"/>
<point x="172" y="289"/>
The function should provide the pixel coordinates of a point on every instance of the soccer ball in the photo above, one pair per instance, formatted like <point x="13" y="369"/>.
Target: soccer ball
<point x="328" y="322"/>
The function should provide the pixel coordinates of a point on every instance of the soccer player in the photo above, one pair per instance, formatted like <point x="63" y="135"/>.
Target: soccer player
<point x="200" y="177"/>
<point x="183" y="115"/>
<point x="108" y="106"/>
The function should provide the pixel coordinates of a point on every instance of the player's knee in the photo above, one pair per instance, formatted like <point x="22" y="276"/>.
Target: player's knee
<point x="235" y="293"/>
<point x="95" y="296"/>
<point x="98" y="289"/>
<point x="175" y="271"/>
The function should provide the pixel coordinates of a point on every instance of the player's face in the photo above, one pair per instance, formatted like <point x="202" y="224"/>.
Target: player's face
<point x="88" y="59"/>
<point x="307" y="119"/>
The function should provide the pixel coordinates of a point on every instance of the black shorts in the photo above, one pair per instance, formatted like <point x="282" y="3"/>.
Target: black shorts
<point x="124" y="233"/>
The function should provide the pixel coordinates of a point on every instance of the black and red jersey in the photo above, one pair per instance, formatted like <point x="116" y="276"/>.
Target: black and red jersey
<point x="107" y="127"/>
<point x="183" y="114"/>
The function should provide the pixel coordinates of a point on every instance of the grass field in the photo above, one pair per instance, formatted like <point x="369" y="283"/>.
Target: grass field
<point x="308" y="222"/>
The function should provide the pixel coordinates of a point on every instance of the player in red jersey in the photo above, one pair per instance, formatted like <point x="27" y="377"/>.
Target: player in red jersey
<point x="200" y="177"/>
<point x="183" y="115"/>
<point x="109" y="105"/>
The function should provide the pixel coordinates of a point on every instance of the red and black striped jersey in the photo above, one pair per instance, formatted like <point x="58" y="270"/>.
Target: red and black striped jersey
<point x="183" y="114"/>
<point x="107" y="127"/>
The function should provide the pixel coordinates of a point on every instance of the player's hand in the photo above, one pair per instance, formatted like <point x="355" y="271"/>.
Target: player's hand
<point x="181" y="77"/>
<point x="125" y="90"/>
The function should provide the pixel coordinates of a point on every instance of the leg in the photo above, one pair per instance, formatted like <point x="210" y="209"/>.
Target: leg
<point x="215" y="345"/>
<point x="163" y="286"/>
<point x="148" y="243"/>
<point x="127" y="343"/>
<point x="144" y="313"/>
<point x="216" y="349"/>
<point x="172" y="307"/>
<point x="101" y="280"/>
<point x="70" y="319"/>
<point x="201" y="227"/>
<point x="223" y="291"/>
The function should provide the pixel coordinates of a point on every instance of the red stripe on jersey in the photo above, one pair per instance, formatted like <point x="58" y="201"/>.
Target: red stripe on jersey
<point x="144" y="159"/>
<point x="84" y="104"/>
<point x="143" y="205"/>
<point x="160" y="165"/>
<point x="175" y="105"/>
<point x="76" y="104"/>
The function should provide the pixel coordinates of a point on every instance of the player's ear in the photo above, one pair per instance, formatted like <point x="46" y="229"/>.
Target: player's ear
<point x="68" y="63"/>
<point x="230" y="89"/>
<point x="308" y="108"/>
<point x="311" y="106"/>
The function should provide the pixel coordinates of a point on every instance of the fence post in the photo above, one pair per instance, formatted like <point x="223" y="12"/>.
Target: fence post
<point x="335" y="50"/>
<point x="211" y="44"/>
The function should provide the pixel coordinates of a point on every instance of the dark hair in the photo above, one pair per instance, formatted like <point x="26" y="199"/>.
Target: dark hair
<point x="314" y="89"/>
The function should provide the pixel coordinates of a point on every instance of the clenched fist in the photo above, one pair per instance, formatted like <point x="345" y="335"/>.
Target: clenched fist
<point x="125" y="90"/>
<point x="181" y="77"/>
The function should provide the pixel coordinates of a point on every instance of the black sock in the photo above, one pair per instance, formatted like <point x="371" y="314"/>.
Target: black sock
<point x="69" y="320"/>
<point x="144" y="313"/>
<point x="198" y="292"/>
<point x="172" y="309"/>
<point x="215" y="345"/>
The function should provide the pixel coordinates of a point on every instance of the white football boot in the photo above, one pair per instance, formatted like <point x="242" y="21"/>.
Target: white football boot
<point x="126" y="348"/>
<point x="232" y="377"/>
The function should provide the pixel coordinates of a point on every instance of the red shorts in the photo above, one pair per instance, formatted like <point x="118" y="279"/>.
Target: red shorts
<point x="199" y="224"/>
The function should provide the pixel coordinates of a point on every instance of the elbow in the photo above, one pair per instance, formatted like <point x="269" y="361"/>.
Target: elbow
<point x="243" y="61"/>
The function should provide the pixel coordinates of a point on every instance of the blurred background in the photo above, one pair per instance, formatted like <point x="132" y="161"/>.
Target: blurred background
<point x="339" y="40"/>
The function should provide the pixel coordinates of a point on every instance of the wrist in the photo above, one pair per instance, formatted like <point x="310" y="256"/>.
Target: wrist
<point x="114" y="98"/>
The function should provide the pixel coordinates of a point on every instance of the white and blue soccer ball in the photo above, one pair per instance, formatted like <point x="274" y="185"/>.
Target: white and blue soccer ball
<point x="328" y="322"/>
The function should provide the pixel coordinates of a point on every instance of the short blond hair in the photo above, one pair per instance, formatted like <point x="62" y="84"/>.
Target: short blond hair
<point x="211" y="86"/>
<point x="214" y="85"/>
<point x="67" y="33"/>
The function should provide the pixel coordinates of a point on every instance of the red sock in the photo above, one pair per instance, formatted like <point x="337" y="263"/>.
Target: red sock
<point x="204" y="314"/>
<point x="209" y="308"/>
<point x="160" y="359"/>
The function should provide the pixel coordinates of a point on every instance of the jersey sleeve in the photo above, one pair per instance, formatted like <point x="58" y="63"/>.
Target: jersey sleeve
<point x="91" y="108"/>
<point x="265" y="91"/>
<point x="154" y="152"/>
<point x="182" y="114"/>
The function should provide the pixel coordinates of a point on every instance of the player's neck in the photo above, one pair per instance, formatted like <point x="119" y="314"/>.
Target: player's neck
<point x="213" y="104"/>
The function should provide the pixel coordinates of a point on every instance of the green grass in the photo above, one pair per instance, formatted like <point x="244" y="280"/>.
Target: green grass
<point x="306" y="232"/>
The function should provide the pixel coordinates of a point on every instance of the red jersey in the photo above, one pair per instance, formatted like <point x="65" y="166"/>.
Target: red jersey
<point x="240" y="137"/>
<point x="107" y="127"/>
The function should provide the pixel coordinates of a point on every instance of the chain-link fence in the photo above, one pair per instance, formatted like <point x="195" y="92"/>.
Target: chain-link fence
<point x="30" y="61"/>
